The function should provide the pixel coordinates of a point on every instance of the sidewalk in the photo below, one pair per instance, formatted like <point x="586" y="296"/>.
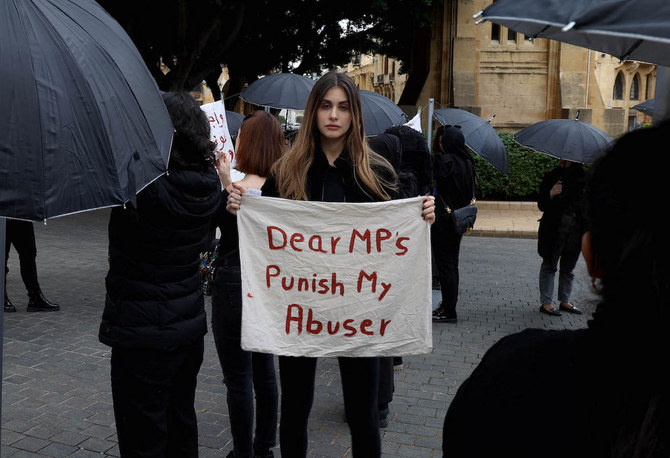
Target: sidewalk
<point x="56" y="396"/>
<point x="507" y="219"/>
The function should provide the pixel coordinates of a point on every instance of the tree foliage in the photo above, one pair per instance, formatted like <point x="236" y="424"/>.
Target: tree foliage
<point x="193" y="38"/>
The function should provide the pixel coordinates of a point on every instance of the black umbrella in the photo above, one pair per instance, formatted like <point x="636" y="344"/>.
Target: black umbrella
<point x="234" y="121"/>
<point x="281" y="90"/>
<point x="82" y="124"/>
<point x="646" y="107"/>
<point x="567" y="139"/>
<point x="479" y="135"/>
<point x="629" y="30"/>
<point x="379" y="113"/>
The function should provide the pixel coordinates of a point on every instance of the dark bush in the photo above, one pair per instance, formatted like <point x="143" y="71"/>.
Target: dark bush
<point x="526" y="169"/>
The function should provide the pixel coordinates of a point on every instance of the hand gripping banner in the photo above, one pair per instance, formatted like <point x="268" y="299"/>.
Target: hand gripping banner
<point x="335" y="279"/>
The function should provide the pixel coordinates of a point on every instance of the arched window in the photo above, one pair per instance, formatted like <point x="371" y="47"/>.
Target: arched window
<point x="618" y="87"/>
<point x="635" y="87"/>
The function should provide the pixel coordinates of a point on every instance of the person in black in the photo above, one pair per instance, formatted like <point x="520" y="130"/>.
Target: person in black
<point x="454" y="173"/>
<point x="559" y="237"/>
<point x="154" y="316"/>
<point x="258" y="145"/>
<point x="331" y="162"/>
<point x="22" y="235"/>
<point x="600" y="391"/>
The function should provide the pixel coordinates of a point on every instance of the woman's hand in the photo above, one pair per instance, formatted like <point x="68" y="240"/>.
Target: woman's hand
<point x="235" y="197"/>
<point x="223" y="169"/>
<point x="429" y="209"/>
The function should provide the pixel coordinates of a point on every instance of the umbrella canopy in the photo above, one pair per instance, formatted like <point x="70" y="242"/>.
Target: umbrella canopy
<point x="479" y="135"/>
<point x="82" y="124"/>
<point x="646" y="107"/>
<point x="568" y="139"/>
<point x="281" y="90"/>
<point x="234" y="121"/>
<point x="379" y="113"/>
<point x="629" y="30"/>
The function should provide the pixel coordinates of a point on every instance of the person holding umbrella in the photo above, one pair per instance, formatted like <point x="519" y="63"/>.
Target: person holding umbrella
<point x="330" y="161"/>
<point x="154" y="316"/>
<point x="560" y="233"/>
<point x="454" y="172"/>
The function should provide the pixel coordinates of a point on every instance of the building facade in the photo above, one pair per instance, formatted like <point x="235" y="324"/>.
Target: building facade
<point x="492" y="71"/>
<point x="377" y="73"/>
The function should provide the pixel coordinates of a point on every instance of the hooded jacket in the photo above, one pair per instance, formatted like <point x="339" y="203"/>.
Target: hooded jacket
<point x="154" y="299"/>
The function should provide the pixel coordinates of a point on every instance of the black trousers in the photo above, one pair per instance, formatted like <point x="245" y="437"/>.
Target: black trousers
<point x="153" y="393"/>
<point x="22" y="235"/>
<point x="360" y="384"/>
<point x="446" y="246"/>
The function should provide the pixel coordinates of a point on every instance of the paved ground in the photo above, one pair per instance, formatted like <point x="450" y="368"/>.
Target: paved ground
<point x="56" y="397"/>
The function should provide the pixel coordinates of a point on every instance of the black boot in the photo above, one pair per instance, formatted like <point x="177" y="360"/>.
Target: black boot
<point x="9" y="307"/>
<point x="38" y="303"/>
<point x="443" y="315"/>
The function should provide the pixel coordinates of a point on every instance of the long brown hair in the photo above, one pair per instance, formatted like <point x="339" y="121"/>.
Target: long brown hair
<point x="291" y="170"/>
<point x="261" y="143"/>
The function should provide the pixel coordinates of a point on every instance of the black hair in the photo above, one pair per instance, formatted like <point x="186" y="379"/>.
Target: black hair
<point x="192" y="148"/>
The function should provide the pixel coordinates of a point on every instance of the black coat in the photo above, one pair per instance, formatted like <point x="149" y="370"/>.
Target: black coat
<point x="353" y="191"/>
<point x="569" y="202"/>
<point x="154" y="299"/>
<point x="454" y="179"/>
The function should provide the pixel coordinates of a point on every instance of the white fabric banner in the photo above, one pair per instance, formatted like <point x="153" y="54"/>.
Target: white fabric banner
<point x="335" y="279"/>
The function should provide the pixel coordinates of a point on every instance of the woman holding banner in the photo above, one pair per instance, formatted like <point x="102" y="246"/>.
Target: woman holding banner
<point x="330" y="161"/>
<point x="259" y="143"/>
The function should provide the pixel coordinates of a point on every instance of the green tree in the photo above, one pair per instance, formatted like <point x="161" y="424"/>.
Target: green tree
<point x="192" y="39"/>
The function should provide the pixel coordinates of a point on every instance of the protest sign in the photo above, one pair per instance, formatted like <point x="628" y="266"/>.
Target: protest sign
<point x="335" y="279"/>
<point x="219" y="134"/>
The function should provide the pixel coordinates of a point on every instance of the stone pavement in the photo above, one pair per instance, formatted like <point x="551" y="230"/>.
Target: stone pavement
<point x="56" y="398"/>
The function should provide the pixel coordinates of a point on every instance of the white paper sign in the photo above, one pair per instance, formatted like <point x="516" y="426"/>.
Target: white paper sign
<point x="335" y="279"/>
<point x="216" y="113"/>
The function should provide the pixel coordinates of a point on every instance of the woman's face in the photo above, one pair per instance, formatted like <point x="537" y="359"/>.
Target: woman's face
<point x="333" y="116"/>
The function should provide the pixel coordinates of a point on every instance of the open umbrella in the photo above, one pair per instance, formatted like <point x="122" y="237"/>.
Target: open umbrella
<point x="568" y="139"/>
<point x="647" y="107"/>
<point x="82" y="124"/>
<point x="281" y="90"/>
<point x="234" y="121"/>
<point x="629" y="30"/>
<point x="479" y="135"/>
<point x="379" y="113"/>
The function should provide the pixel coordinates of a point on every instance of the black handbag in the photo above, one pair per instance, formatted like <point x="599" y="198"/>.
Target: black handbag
<point x="462" y="218"/>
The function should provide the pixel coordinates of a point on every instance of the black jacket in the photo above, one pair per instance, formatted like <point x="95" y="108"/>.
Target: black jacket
<point x="569" y="202"/>
<point x="354" y="191"/>
<point x="455" y="181"/>
<point x="154" y="299"/>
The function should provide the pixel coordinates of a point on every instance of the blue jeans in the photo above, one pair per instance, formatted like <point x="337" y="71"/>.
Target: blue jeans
<point x="244" y="373"/>
<point x="564" y="254"/>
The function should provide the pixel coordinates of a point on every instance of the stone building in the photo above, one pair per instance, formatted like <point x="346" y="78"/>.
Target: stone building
<point x="490" y="70"/>
<point x="377" y="73"/>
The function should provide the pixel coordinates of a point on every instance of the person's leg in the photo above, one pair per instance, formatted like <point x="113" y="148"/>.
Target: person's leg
<point x="446" y="244"/>
<point x="181" y="418"/>
<point x="235" y="362"/>
<point x="360" y="386"/>
<point x="267" y="402"/>
<point x="569" y="258"/>
<point x="547" y="275"/>
<point x="140" y="393"/>
<point x="386" y="388"/>
<point x="296" y="376"/>
<point x="22" y="236"/>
